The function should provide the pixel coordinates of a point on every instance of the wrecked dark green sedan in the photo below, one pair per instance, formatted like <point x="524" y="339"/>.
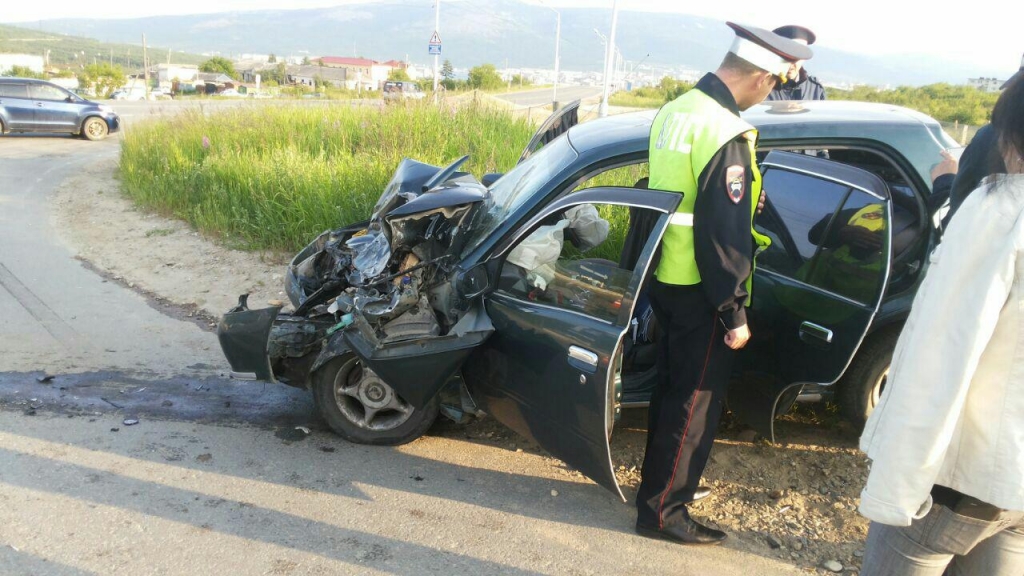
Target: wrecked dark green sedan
<point x="522" y="295"/>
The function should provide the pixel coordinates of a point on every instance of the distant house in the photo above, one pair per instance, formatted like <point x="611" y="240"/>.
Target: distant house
<point x="30" y="61"/>
<point x="168" y="73"/>
<point x="986" y="84"/>
<point x="308" y="75"/>
<point x="363" y="73"/>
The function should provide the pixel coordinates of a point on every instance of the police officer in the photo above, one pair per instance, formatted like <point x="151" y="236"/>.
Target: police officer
<point x="701" y="147"/>
<point x="799" y="85"/>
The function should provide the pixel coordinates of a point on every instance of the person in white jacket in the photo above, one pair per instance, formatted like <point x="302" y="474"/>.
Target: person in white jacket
<point x="946" y="489"/>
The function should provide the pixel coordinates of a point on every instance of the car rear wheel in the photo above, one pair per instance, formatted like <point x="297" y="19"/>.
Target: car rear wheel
<point x="360" y="407"/>
<point x="862" y="385"/>
<point x="94" y="129"/>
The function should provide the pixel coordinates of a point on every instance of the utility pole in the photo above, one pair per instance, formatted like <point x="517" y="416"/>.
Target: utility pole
<point x="508" y="77"/>
<point x="145" y="66"/>
<point x="558" y="43"/>
<point x="437" y="26"/>
<point x="609" y="61"/>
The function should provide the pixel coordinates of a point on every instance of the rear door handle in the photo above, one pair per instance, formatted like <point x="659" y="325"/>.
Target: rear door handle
<point x="583" y="359"/>
<point x="39" y="104"/>
<point x="812" y="330"/>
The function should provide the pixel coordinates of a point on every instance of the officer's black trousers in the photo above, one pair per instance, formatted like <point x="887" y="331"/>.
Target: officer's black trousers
<point x="693" y="373"/>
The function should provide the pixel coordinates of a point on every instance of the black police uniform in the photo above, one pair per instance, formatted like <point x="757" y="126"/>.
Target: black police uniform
<point x="693" y="362"/>
<point x="805" y="87"/>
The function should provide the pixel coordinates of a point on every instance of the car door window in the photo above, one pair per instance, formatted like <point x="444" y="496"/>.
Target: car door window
<point x="47" y="92"/>
<point x="571" y="261"/>
<point x="13" y="91"/>
<point x="625" y="176"/>
<point x="850" y="261"/>
<point x="825" y="234"/>
<point x="796" y="204"/>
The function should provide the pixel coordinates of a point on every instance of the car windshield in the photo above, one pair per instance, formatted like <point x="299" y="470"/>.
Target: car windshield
<point x="520" y="184"/>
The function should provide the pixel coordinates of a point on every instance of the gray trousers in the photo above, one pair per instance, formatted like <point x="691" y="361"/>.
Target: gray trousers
<point x="944" y="542"/>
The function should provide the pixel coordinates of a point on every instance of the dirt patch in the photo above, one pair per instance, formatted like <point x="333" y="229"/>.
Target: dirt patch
<point x="159" y="257"/>
<point x="794" y="501"/>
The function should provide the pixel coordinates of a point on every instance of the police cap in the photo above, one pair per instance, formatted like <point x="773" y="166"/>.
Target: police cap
<point x="765" y="49"/>
<point x="798" y="33"/>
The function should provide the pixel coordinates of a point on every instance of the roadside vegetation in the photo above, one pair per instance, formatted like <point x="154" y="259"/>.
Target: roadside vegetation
<point x="944" y="102"/>
<point x="273" y="178"/>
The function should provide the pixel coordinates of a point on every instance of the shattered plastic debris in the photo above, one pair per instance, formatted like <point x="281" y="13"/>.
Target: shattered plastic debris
<point x="303" y="429"/>
<point x="44" y="379"/>
<point x="131" y="421"/>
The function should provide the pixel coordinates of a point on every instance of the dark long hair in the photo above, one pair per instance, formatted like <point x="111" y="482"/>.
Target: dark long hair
<point x="1008" y="116"/>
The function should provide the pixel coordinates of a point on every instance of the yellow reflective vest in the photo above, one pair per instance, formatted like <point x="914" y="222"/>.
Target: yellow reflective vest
<point x="685" y="136"/>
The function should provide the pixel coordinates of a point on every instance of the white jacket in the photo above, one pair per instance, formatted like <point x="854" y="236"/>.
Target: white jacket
<point x="952" y="412"/>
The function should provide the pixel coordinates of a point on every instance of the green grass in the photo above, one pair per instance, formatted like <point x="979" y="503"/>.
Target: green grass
<point x="273" y="177"/>
<point x="634" y="100"/>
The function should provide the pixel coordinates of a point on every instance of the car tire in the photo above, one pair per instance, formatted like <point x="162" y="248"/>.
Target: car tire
<point x="861" y="386"/>
<point x="343" y="391"/>
<point x="94" y="128"/>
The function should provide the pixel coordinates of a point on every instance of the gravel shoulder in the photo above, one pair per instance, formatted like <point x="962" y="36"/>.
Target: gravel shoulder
<point x="795" y="501"/>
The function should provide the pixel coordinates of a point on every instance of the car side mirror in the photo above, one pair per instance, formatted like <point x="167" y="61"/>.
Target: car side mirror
<point x="474" y="281"/>
<point x="490" y="179"/>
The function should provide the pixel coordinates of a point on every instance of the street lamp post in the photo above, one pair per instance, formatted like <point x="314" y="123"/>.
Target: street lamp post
<point x="558" y="43"/>
<point x="437" y="24"/>
<point x="609" y="61"/>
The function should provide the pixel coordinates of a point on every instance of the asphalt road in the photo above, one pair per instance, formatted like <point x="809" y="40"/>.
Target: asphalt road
<point x="215" y="477"/>
<point x="543" y="97"/>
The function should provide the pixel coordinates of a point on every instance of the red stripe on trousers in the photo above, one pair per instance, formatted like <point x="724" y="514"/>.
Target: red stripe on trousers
<point x="689" y="418"/>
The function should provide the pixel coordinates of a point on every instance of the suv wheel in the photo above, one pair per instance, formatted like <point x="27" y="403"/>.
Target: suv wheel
<point x="861" y="386"/>
<point x="360" y="407"/>
<point x="94" y="128"/>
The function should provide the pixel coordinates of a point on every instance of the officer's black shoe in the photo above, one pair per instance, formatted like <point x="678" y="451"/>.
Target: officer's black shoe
<point x="701" y="492"/>
<point x="689" y="531"/>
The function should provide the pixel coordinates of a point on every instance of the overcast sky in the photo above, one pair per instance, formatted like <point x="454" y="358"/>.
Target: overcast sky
<point x="972" y="32"/>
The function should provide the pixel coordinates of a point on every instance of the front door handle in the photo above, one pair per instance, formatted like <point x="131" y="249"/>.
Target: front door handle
<point x="812" y="330"/>
<point x="583" y="359"/>
<point x="39" y="104"/>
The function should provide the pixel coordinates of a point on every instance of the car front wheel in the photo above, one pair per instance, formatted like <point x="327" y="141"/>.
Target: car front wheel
<point x="94" y="129"/>
<point x="862" y="385"/>
<point x="360" y="407"/>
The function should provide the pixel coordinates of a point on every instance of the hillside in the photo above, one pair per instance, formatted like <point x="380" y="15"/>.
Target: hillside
<point x="491" y="31"/>
<point x="74" y="50"/>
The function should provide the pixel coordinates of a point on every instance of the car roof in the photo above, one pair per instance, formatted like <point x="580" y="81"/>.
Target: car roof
<point x="28" y="80"/>
<point x="916" y="136"/>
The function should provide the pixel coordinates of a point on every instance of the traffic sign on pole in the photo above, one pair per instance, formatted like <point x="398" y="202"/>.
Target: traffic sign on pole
<point x="434" y="46"/>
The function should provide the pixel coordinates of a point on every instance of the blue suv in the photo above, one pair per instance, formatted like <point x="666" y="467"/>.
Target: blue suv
<point x="28" y="105"/>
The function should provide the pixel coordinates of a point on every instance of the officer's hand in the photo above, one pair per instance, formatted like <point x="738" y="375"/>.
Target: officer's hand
<point x="760" y="202"/>
<point x="738" y="337"/>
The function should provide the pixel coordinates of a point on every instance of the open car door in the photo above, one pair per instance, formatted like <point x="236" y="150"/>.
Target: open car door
<point x="554" y="126"/>
<point x="819" y="285"/>
<point x="550" y="369"/>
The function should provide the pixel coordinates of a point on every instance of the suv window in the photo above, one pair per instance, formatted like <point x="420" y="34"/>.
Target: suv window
<point x="824" y="234"/>
<point x="47" y="92"/>
<point x="11" y="90"/>
<point x="571" y="261"/>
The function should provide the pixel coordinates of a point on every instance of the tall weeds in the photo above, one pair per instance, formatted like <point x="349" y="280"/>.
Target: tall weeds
<point x="272" y="177"/>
